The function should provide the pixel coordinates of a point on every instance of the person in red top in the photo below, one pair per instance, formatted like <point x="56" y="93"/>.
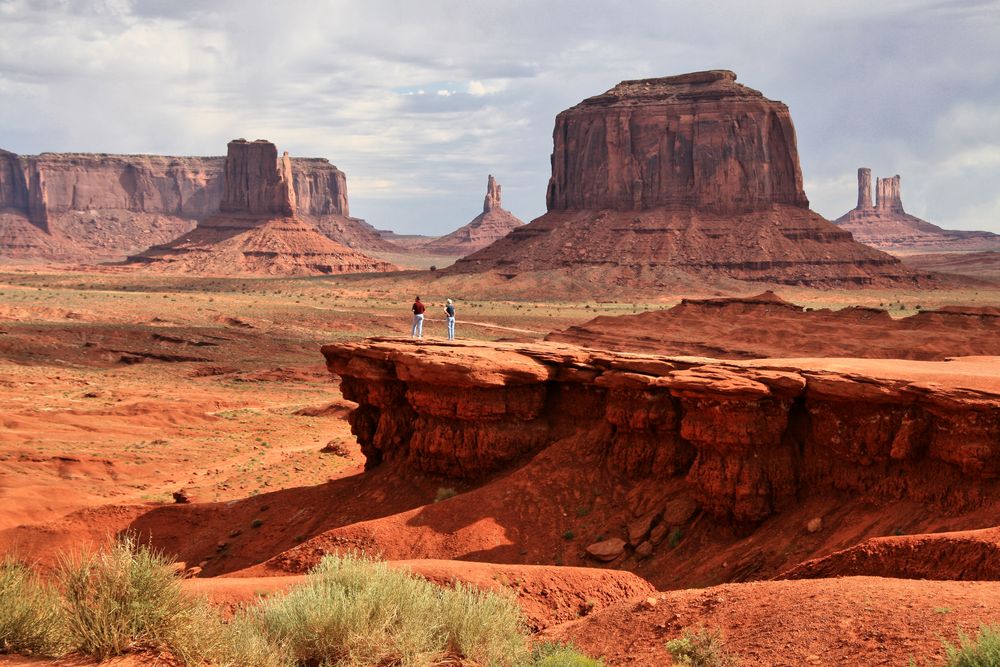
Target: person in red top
<point x="418" y="318"/>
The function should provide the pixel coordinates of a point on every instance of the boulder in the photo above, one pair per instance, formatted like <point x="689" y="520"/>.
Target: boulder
<point x="607" y="550"/>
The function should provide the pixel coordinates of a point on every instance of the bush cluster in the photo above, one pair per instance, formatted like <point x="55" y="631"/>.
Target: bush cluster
<point x="351" y="611"/>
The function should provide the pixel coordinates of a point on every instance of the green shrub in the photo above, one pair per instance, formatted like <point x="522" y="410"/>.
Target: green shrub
<point x="354" y="611"/>
<point x="126" y="598"/>
<point x="551" y="654"/>
<point x="983" y="651"/>
<point x="444" y="493"/>
<point x="30" y="622"/>
<point x="700" y="648"/>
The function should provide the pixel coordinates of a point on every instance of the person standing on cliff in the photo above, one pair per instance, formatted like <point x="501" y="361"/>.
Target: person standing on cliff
<point x="418" y="318"/>
<point x="449" y="312"/>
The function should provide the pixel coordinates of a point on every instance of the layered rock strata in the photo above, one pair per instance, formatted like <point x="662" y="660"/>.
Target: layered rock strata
<point x="768" y="326"/>
<point x="257" y="230"/>
<point x="678" y="176"/>
<point x="108" y="205"/>
<point x="492" y="224"/>
<point x="746" y="438"/>
<point x="887" y="225"/>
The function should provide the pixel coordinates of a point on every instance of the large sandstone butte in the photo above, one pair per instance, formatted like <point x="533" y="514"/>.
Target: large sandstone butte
<point x="256" y="230"/>
<point x="768" y="326"/>
<point x="693" y="177"/>
<point x="495" y="222"/>
<point x="886" y="225"/>
<point x="98" y="205"/>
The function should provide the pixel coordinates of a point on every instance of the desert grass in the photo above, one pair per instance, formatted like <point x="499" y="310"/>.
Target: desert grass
<point x="981" y="651"/>
<point x="126" y="598"/>
<point x="550" y="654"/>
<point x="700" y="647"/>
<point x="30" y="619"/>
<point x="352" y="611"/>
<point x="355" y="611"/>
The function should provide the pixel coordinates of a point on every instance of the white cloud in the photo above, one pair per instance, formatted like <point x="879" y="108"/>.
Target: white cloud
<point x="418" y="101"/>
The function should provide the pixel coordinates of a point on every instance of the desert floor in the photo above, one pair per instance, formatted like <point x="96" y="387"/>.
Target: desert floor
<point x="119" y="389"/>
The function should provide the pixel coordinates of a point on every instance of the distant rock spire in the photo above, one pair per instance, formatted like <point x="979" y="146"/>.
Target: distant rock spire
<point x="492" y="199"/>
<point x="887" y="196"/>
<point x="864" y="188"/>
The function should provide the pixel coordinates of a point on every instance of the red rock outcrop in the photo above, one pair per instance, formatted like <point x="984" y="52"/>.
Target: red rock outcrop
<point x="257" y="230"/>
<point x="746" y="438"/>
<point x="493" y="223"/>
<point x="659" y="180"/>
<point x="112" y="205"/>
<point x="765" y="326"/>
<point x="887" y="225"/>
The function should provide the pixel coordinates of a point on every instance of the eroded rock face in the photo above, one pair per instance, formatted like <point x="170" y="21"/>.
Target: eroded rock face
<point x="887" y="225"/>
<point x="257" y="231"/>
<point x="252" y="184"/>
<point x="693" y="141"/>
<point x="110" y="205"/>
<point x="492" y="224"/>
<point x="746" y="437"/>
<point x="767" y="326"/>
<point x="682" y="180"/>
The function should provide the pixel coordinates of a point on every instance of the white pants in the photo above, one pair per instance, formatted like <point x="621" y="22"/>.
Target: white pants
<point x="451" y="328"/>
<point x="418" y="326"/>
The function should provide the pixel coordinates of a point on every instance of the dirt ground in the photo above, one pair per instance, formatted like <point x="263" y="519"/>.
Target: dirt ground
<point x="118" y="391"/>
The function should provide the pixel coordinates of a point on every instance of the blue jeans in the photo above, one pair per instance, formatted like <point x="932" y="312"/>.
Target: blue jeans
<point x="451" y="328"/>
<point x="418" y="326"/>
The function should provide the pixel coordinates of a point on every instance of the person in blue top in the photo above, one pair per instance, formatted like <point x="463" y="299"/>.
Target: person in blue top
<point x="449" y="311"/>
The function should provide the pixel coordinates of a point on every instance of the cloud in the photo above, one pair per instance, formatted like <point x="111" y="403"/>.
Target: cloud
<point x="417" y="102"/>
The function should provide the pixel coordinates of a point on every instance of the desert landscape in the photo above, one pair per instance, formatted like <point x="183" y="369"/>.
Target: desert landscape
<point x="687" y="419"/>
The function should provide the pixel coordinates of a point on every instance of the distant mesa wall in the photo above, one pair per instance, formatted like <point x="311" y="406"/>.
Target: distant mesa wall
<point x="182" y="186"/>
<point x="694" y="141"/>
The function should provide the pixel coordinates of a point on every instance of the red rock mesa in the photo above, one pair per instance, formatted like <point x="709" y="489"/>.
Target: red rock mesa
<point x="692" y="177"/>
<point x="95" y="204"/>
<point x="257" y="230"/>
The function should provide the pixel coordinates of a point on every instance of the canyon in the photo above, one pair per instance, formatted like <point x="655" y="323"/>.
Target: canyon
<point x="681" y="180"/>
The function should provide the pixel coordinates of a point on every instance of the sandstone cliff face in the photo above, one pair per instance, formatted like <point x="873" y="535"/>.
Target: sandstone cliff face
<point x="745" y="438"/>
<point x="684" y="180"/>
<point x="696" y="140"/>
<point x="257" y="230"/>
<point x="887" y="225"/>
<point x="492" y="224"/>
<point x="117" y="204"/>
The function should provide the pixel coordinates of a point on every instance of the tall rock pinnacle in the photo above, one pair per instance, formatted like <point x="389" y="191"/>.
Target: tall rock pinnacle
<point x="864" y="188"/>
<point x="492" y="199"/>
<point x="887" y="197"/>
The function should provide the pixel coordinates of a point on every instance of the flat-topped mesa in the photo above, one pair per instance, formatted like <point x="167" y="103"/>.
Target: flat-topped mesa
<point x="695" y="140"/>
<point x="255" y="182"/>
<point x="492" y="198"/>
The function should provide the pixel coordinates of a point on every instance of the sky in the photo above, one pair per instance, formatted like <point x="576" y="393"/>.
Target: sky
<point x="419" y="101"/>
